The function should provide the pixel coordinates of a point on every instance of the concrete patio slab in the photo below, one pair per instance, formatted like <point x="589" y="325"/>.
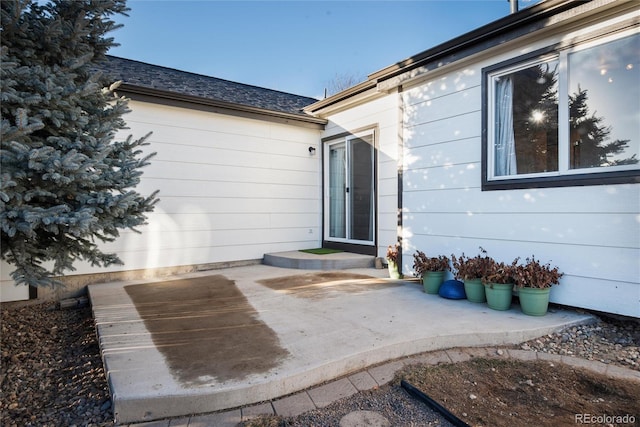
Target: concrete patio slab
<point x="307" y="261"/>
<point x="319" y="330"/>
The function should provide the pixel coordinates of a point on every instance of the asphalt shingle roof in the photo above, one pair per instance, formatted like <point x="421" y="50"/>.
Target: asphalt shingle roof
<point x="150" y="76"/>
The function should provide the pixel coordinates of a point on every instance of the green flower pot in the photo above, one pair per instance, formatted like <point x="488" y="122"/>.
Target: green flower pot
<point x="474" y="289"/>
<point x="394" y="272"/>
<point x="534" y="301"/>
<point x="431" y="281"/>
<point x="499" y="295"/>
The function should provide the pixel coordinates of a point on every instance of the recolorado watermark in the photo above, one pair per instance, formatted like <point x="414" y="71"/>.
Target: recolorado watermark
<point x="605" y="419"/>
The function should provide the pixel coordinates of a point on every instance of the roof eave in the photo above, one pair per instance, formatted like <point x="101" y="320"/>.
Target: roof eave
<point x="240" y="108"/>
<point x="503" y="25"/>
<point x="348" y="93"/>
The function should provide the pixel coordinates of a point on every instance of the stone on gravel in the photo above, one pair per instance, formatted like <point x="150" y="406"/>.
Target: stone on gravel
<point x="364" y="419"/>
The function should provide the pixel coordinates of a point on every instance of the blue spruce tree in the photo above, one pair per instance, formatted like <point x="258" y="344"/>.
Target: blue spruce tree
<point x="66" y="183"/>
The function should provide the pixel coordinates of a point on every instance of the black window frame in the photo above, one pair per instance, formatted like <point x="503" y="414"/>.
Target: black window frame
<point x="567" y="180"/>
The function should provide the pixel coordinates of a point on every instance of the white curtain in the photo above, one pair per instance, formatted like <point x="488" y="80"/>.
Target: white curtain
<point x="505" y="145"/>
<point x="372" y="201"/>
<point x="337" y="191"/>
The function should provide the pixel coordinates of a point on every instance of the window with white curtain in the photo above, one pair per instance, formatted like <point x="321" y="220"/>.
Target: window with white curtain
<point x="564" y="117"/>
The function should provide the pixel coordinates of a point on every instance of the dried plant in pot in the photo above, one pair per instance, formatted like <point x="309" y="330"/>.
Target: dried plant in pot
<point x="498" y="285"/>
<point x="467" y="268"/>
<point x="533" y="274"/>
<point x="470" y="271"/>
<point x="431" y="270"/>
<point x="498" y="273"/>
<point x="534" y="281"/>
<point x="423" y="264"/>
<point x="393" y="255"/>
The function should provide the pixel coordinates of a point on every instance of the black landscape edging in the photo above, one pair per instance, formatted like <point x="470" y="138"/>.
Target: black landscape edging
<point x="413" y="391"/>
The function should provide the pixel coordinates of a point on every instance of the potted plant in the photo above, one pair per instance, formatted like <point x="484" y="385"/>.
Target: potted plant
<point x="431" y="270"/>
<point x="471" y="271"/>
<point x="393" y="254"/>
<point x="534" y="281"/>
<point x="498" y="284"/>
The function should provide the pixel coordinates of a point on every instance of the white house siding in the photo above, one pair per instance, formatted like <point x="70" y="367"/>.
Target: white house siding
<point x="592" y="233"/>
<point x="383" y="114"/>
<point x="231" y="189"/>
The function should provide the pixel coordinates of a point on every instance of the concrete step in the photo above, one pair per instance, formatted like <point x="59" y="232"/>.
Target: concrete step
<point x="307" y="261"/>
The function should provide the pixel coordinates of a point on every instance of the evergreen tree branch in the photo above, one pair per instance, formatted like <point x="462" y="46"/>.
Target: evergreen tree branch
<point x="68" y="182"/>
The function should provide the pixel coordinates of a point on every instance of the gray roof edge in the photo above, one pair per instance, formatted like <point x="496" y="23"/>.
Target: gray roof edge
<point x="176" y="96"/>
<point x="502" y="25"/>
<point x="345" y="94"/>
<point x="210" y="77"/>
<point x="482" y="34"/>
<point x="164" y="83"/>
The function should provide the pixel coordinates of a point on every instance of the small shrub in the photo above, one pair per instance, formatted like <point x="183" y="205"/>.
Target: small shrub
<point x="393" y="252"/>
<point x="422" y="263"/>
<point x="466" y="268"/>
<point x="533" y="274"/>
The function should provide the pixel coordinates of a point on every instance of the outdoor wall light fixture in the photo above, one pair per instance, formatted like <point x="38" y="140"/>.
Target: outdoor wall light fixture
<point x="312" y="151"/>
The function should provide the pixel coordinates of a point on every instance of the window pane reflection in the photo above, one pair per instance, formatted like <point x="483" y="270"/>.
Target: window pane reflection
<point x="604" y="104"/>
<point x="526" y="127"/>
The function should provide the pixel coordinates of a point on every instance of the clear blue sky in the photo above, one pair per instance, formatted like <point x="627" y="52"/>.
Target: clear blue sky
<point x="294" y="46"/>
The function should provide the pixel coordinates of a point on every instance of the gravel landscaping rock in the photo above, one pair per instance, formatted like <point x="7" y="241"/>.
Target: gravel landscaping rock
<point x="613" y="342"/>
<point x="52" y="374"/>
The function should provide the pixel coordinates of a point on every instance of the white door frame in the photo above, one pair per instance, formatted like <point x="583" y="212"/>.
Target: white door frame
<point x="346" y="141"/>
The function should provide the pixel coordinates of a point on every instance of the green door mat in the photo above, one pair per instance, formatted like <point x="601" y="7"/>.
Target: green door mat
<point x="321" y="251"/>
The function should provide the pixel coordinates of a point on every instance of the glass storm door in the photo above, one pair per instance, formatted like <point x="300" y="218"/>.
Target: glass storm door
<point x="350" y="213"/>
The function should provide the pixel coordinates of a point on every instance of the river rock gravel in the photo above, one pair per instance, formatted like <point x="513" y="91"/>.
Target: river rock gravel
<point x="615" y="341"/>
<point x="52" y="375"/>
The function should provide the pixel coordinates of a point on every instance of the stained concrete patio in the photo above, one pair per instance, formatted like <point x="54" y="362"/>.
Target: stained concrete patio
<point x="178" y="346"/>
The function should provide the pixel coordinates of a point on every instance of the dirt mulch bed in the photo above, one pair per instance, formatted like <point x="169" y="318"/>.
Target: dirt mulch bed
<point x="494" y="392"/>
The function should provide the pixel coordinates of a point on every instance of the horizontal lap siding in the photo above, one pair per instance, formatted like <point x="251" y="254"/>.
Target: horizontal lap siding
<point x="231" y="189"/>
<point x="563" y="231"/>
<point x="225" y="173"/>
<point x="382" y="113"/>
<point x="156" y="247"/>
<point x="591" y="233"/>
<point x="617" y="199"/>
